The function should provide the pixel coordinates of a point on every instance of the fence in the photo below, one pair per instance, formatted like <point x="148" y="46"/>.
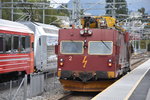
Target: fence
<point x="14" y="90"/>
<point x="22" y="89"/>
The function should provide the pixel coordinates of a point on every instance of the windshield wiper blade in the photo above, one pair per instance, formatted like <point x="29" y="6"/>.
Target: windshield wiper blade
<point x="105" y="44"/>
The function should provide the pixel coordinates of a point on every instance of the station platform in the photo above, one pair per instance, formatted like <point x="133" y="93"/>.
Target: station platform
<point x="133" y="86"/>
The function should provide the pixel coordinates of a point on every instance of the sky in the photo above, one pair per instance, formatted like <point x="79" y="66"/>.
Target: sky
<point x="133" y="5"/>
<point x="58" y="1"/>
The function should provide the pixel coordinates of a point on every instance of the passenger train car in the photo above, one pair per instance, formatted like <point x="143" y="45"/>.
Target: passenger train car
<point x="46" y="37"/>
<point x="92" y="57"/>
<point x="16" y="48"/>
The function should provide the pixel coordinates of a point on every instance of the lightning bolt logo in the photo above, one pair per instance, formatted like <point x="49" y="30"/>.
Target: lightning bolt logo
<point x="84" y="61"/>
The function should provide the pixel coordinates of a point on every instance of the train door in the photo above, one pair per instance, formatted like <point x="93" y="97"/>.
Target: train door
<point x="43" y="52"/>
<point x="37" y="52"/>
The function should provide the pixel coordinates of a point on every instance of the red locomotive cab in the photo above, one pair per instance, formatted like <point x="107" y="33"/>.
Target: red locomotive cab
<point x="87" y="51"/>
<point x="16" y="48"/>
<point x="88" y="57"/>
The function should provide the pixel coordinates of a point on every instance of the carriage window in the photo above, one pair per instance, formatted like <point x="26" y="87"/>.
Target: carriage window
<point x="22" y="44"/>
<point x="8" y="43"/>
<point x="100" y="48"/>
<point x="1" y="44"/>
<point x="25" y="44"/>
<point x="16" y="44"/>
<point x="71" y="47"/>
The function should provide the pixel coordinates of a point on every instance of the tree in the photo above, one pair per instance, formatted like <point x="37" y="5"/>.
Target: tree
<point x="142" y="10"/>
<point x="36" y="14"/>
<point x="121" y="8"/>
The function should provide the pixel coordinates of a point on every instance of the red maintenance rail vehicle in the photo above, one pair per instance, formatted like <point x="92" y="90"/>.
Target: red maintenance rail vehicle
<point x="16" y="48"/>
<point x="91" y="58"/>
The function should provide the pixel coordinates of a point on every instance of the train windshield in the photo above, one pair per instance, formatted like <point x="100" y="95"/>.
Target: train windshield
<point x="100" y="47"/>
<point x="71" y="47"/>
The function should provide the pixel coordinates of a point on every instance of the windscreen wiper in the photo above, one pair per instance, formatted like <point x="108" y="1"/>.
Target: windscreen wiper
<point x="105" y="44"/>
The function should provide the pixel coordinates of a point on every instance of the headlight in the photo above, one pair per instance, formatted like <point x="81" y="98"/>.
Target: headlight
<point x="90" y="32"/>
<point x="81" y="32"/>
<point x="61" y="60"/>
<point x="109" y="60"/>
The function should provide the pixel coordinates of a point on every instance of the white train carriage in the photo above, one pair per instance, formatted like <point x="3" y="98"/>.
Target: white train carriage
<point x="46" y="37"/>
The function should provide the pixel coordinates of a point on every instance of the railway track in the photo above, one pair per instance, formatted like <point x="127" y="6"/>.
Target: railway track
<point x="79" y="96"/>
<point x="66" y="97"/>
<point x="139" y="59"/>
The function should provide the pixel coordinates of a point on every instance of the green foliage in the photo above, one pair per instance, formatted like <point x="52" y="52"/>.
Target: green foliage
<point x="6" y="13"/>
<point x="36" y="14"/>
<point x="36" y="0"/>
<point x="142" y="10"/>
<point x="121" y="8"/>
<point x="143" y="44"/>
